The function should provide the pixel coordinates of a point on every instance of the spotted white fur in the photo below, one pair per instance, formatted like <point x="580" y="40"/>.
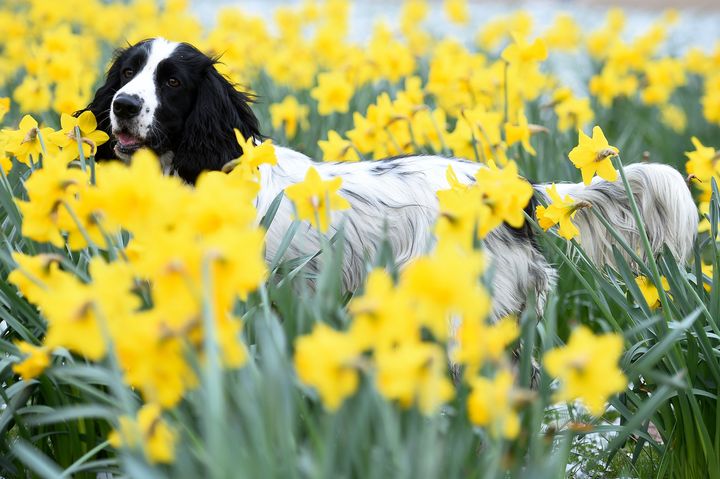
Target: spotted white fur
<point x="396" y="199"/>
<point x="143" y="86"/>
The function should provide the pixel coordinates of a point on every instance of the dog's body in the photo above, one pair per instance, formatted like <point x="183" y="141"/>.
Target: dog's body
<point x="170" y="98"/>
<point x="396" y="199"/>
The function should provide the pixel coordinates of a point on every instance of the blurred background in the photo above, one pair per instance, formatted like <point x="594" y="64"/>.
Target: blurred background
<point x="699" y="19"/>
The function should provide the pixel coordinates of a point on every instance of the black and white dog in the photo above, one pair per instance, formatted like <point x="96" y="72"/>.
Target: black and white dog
<point x="170" y="98"/>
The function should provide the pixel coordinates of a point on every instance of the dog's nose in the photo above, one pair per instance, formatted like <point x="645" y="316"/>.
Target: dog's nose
<point x="126" y="106"/>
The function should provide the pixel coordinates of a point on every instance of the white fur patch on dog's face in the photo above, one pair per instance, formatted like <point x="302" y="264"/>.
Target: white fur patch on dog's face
<point x="144" y="87"/>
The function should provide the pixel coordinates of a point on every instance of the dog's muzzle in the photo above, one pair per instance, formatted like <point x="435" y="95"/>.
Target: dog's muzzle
<point x="126" y="108"/>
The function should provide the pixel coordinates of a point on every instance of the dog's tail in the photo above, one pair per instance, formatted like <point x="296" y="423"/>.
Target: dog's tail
<point x="664" y="201"/>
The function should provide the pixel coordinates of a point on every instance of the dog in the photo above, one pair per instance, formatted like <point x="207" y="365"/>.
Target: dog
<point x="170" y="98"/>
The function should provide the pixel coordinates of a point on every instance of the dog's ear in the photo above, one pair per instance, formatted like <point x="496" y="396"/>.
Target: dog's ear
<point x="101" y="103"/>
<point x="208" y="138"/>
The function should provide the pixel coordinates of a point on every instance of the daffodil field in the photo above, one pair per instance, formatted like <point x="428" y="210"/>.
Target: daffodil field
<point x="144" y="333"/>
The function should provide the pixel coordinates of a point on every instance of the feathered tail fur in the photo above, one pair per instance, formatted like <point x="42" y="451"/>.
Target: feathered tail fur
<point x="664" y="201"/>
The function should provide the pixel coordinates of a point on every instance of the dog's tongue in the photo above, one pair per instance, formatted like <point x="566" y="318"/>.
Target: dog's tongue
<point x="126" y="139"/>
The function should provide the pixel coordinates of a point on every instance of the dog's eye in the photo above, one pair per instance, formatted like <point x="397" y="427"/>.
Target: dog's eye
<point x="128" y="73"/>
<point x="173" y="82"/>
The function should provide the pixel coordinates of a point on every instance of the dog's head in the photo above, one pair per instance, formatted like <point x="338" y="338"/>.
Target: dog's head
<point x="169" y="97"/>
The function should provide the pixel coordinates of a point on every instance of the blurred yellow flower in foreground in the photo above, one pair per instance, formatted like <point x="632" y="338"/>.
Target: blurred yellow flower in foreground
<point x="506" y="193"/>
<point x="460" y="293"/>
<point x="414" y="373"/>
<point x="326" y="360"/>
<point x="462" y="210"/>
<point x="479" y="341"/>
<point x="37" y="358"/>
<point x="52" y="191"/>
<point x="383" y="316"/>
<point x="587" y="368"/>
<point x="491" y="404"/>
<point x="148" y="431"/>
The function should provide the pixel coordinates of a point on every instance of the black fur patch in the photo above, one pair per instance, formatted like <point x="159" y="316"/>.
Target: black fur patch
<point x="195" y="121"/>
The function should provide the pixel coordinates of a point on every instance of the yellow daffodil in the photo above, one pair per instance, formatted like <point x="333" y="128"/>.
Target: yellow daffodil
<point x="491" y="404"/>
<point x="612" y="83"/>
<point x="5" y="160"/>
<point x="392" y="59"/>
<point x="32" y="94"/>
<point x="564" y="33"/>
<point x="587" y="368"/>
<point x="707" y="270"/>
<point x="29" y="141"/>
<point x="90" y="136"/>
<point x="289" y="114"/>
<point x="662" y="77"/>
<point x="37" y="358"/>
<point x="560" y="212"/>
<point x="326" y="360"/>
<point x="523" y="53"/>
<point x="574" y="113"/>
<point x="315" y="199"/>
<point x="414" y="373"/>
<point x="711" y="99"/>
<point x="336" y="148"/>
<point x="429" y="127"/>
<point x="413" y="12"/>
<point x="4" y="107"/>
<point x="51" y="191"/>
<point x="479" y="341"/>
<point x="457" y="11"/>
<point x="383" y="316"/>
<point x="459" y="294"/>
<point x="593" y="156"/>
<point x="462" y="210"/>
<point x="673" y="117"/>
<point x="506" y="193"/>
<point x="703" y="161"/>
<point x="519" y="132"/>
<point x="649" y="291"/>
<point x="333" y="93"/>
<point x="149" y="431"/>
<point x="254" y="155"/>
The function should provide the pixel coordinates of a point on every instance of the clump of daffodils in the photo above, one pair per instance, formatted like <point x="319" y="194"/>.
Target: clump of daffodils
<point x="185" y="265"/>
<point x="162" y="261"/>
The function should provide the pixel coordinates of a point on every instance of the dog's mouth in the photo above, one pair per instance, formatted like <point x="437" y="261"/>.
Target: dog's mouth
<point x="127" y="144"/>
